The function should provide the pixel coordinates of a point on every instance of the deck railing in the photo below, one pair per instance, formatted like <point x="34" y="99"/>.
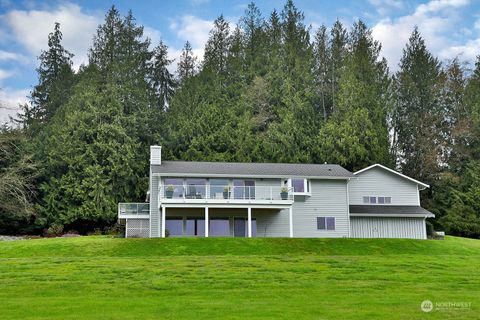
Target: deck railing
<point x="133" y="209"/>
<point x="226" y="192"/>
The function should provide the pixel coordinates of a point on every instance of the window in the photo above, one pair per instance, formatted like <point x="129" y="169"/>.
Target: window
<point x="219" y="227"/>
<point x="244" y="189"/>
<point x="177" y="185"/>
<point x="174" y="226"/>
<point x="325" y="223"/>
<point x="298" y="185"/>
<point x="195" y="188"/>
<point x="217" y="186"/>
<point x="375" y="200"/>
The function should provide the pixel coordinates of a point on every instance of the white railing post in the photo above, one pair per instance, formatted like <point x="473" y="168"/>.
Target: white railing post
<point x="206" y="222"/>
<point x="249" y="222"/>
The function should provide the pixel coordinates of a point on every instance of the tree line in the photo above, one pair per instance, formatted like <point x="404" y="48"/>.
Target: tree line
<point x="269" y="89"/>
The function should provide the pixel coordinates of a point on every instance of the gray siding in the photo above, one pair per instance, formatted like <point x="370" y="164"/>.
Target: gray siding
<point x="379" y="182"/>
<point x="379" y="227"/>
<point x="272" y="224"/>
<point x="328" y="199"/>
<point x="155" y="219"/>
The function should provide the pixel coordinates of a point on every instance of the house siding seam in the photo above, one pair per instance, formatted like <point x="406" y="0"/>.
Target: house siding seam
<point x="378" y="182"/>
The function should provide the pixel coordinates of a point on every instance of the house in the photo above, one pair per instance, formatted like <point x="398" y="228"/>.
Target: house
<point x="275" y="200"/>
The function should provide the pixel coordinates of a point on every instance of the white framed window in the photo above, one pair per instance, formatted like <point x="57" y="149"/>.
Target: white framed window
<point x="301" y="186"/>
<point x="326" y="223"/>
<point x="376" y="200"/>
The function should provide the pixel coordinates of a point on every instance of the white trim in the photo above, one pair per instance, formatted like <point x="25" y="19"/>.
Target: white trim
<point x="219" y="205"/>
<point x="348" y="212"/>
<point x="290" y="221"/>
<point x="387" y="215"/>
<point x="425" y="228"/>
<point x="393" y="171"/>
<point x="164" y="212"/>
<point x="249" y="217"/>
<point x="207" y="222"/>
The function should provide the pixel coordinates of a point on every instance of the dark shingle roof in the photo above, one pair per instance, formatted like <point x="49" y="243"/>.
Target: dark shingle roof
<point x="389" y="210"/>
<point x="251" y="169"/>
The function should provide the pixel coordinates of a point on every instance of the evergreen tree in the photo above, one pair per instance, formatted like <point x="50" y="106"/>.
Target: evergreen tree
<point x="55" y="77"/>
<point x="418" y="113"/>
<point x="161" y="80"/>
<point x="322" y="61"/>
<point x="217" y="47"/>
<point x="187" y="65"/>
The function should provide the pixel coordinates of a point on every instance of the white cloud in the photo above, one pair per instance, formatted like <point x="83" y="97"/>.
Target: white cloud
<point x="11" y="56"/>
<point x="4" y="74"/>
<point x="9" y="102"/>
<point x="193" y="29"/>
<point x="385" y="6"/>
<point x="31" y="29"/>
<point x="434" y="20"/>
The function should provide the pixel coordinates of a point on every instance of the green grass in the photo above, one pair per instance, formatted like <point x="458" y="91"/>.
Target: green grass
<point x="105" y="278"/>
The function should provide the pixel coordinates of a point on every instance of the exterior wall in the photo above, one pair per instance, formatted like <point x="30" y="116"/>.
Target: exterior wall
<point x="379" y="227"/>
<point x="155" y="219"/>
<point x="328" y="199"/>
<point x="379" y="182"/>
<point x="137" y="228"/>
<point x="272" y="224"/>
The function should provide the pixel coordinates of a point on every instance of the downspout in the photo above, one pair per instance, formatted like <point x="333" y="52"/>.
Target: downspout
<point x="348" y="212"/>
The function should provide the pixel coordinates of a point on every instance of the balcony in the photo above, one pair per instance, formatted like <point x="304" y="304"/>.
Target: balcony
<point x="214" y="194"/>
<point x="133" y="210"/>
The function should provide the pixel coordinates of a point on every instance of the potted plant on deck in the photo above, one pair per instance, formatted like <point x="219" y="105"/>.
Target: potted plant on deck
<point x="284" y="193"/>
<point x="169" y="191"/>
<point x="226" y="192"/>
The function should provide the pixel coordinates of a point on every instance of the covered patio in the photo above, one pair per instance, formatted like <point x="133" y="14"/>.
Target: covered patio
<point x="208" y="221"/>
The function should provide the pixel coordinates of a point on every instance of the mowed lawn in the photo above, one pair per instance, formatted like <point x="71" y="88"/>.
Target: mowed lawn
<point x="225" y="278"/>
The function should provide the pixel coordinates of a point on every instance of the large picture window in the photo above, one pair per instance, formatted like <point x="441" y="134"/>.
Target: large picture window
<point x="300" y="186"/>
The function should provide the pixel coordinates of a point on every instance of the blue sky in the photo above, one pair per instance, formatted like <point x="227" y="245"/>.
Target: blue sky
<point x="450" y="27"/>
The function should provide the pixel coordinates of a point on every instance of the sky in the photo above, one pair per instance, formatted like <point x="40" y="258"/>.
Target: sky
<point x="451" y="29"/>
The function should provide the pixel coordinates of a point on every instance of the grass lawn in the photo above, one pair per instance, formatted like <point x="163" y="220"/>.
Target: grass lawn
<point x="106" y="278"/>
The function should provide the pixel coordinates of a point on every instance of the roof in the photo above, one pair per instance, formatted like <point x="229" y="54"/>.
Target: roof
<point x="389" y="210"/>
<point x="242" y="169"/>
<point x="377" y="165"/>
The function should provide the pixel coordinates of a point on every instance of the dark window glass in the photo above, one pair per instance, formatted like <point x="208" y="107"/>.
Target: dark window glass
<point x="190" y="227"/>
<point x="373" y="200"/>
<point x="174" y="227"/>
<point x="244" y="189"/>
<point x="321" y="223"/>
<point x="195" y="188"/>
<point x="217" y="186"/>
<point x="240" y="227"/>
<point x="298" y="185"/>
<point x="381" y="200"/>
<point x="200" y="228"/>
<point x="330" y="223"/>
<point x="219" y="227"/>
<point x="177" y="184"/>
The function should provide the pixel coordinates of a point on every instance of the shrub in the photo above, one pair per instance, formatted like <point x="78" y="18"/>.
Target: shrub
<point x="114" y="230"/>
<point x="55" y="230"/>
